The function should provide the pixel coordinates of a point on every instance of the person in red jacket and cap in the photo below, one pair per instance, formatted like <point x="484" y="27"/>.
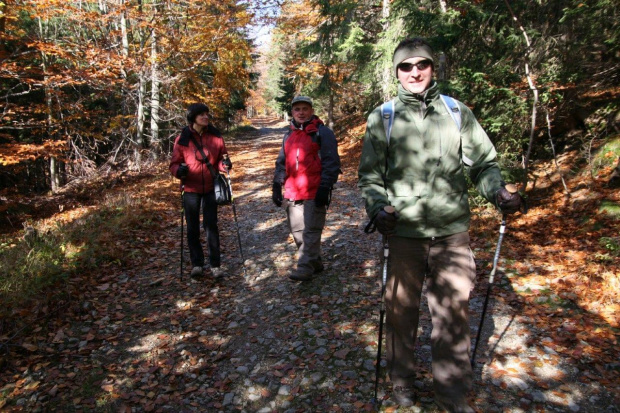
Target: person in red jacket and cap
<point x="308" y="166"/>
<point x="189" y="165"/>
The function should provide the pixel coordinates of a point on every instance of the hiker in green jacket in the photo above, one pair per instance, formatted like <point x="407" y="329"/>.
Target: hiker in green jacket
<point x="419" y="169"/>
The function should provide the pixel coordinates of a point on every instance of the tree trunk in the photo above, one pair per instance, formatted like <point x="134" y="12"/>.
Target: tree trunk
<point x="530" y="81"/>
<point x="48" y="118"/>
<point x="442" y="5"/>
<point x="330" y="110"/>
<point x="386" y="75"/>
<point x="139" y="142"/>
<point x="2" y="21"/>
<point x="124" y="38"/>
<point x="54" y="175"/>
<point x="155" y="141"/>
<point x="555" y="158"/>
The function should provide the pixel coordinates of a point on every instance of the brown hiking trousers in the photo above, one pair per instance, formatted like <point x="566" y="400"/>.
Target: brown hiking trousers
<point x="306" y="222"/>
<point x="447" y="264"/>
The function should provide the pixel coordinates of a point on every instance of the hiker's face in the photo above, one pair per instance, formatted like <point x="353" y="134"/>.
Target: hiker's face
<point x="412" y="78"/>
<point x="302" y="112"/>
<point x="202" y="121"/>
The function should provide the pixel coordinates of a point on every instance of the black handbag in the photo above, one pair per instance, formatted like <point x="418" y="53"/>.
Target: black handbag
<point x="221" y="185"/>
<point x="222" y="189"/>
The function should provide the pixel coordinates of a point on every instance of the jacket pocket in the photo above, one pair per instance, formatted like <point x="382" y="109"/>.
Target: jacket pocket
<point x="401" y="189"/>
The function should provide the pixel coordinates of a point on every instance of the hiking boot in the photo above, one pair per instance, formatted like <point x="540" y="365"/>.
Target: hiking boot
<point x="300" y="277"/>
<point x="218" y="272"/>
<point x="454" y="407"/>
<point x="196" y="272"/>
<point x="403" y="396"/>
<point x="319" y="268"/>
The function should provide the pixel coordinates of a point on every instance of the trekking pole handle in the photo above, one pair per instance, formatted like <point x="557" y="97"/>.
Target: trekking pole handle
<point x="512" y="188"/>
<point x="502" y="230"/>
<point x="390" y="210"/>
<point x="224" y="157"/>
<point x="371" y="227"/>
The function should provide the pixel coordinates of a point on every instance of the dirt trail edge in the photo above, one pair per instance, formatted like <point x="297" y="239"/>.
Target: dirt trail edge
<point x="152" y="340"/>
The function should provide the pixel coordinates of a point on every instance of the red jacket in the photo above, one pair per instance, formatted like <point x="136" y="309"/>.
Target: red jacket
<point x="199" y="179"/>
<point x="302" y="162"/>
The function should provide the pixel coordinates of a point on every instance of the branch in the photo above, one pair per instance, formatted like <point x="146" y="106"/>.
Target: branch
<point x="555" y="159"/>
<point x="535" y="93"/>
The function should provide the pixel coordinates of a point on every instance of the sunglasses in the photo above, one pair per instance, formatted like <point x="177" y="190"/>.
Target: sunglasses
<point x="408" y="67"/>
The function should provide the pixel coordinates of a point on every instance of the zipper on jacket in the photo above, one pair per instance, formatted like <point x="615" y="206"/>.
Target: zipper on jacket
<point x="440" y="149"/>
<point x="297" y="160"/>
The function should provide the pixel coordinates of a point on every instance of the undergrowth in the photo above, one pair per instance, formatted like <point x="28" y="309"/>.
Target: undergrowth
<point x="39" y="263"/>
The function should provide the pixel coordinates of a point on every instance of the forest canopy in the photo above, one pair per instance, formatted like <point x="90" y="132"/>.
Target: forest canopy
<point x="89" y="85"/>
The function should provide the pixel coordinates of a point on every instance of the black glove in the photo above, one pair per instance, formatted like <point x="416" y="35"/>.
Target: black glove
<point x="276" y="194"/>
<point x="183" y="171"/>
<point x="227" y="163"/>
<point x="508" y="203"/>
<point x="386" y="223"/>
<point x="321" y="198"/>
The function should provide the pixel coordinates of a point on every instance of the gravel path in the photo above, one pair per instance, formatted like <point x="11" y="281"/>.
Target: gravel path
<point x="262" y="343"/>
<point x="312" y="346"/>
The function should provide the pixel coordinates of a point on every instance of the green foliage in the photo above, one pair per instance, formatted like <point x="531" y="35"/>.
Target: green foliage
<point x="26" y="270"/>
<point x="501" y="112"/>
<point x="598" y="125"/>
<point x="612" y="244"/>
<point x="610" y="208"/>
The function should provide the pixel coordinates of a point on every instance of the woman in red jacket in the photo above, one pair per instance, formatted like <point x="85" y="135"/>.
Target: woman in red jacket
<point x="197" y="141"/>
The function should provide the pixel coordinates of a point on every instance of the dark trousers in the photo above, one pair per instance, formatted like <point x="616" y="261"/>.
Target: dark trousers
<point x="447" y="264"/>
<point x="209" y="223"/>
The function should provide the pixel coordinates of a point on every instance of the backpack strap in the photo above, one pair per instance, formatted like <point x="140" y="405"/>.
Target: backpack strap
<point x="316" y="138"/>
<point x="205" y="158"/>
<point x="387" y="113"/>
<point x="453" y="109"/>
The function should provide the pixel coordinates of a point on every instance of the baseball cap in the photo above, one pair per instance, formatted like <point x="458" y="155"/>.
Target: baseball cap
<point x="300" y="99"/>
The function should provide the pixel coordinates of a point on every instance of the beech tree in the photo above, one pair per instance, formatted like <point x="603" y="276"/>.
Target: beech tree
<point x="93" y="83"/>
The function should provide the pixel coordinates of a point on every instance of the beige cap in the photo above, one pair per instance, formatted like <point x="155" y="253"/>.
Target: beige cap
<point x="300" y="99"/>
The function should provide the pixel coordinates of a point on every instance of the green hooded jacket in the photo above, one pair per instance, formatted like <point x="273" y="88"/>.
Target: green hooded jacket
<point x="422" y="172"/>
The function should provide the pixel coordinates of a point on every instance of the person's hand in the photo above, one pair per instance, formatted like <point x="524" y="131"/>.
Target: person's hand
<point x="276" y="194"/>
<point x="227" y="162"/>
<point x="508" y="199"/>
<point x="182" y="171"/>
<point x="386" y="222"/>
<point x="321" y="198"/>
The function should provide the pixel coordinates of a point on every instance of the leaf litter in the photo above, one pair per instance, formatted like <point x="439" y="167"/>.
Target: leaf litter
<point x="146" y="338"/>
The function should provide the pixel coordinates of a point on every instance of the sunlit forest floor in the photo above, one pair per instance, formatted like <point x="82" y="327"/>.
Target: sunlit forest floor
<point x="144" y="337"/>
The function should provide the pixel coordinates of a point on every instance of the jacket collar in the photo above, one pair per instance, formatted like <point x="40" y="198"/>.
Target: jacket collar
<point x="416" y="98"/>
<point x="310" y="126"/>
<point x="188" y="131"/>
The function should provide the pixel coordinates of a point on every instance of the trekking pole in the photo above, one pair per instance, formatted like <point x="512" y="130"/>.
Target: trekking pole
<point x="182" y="219"/>
<point x="232" y="202"/>
<point x="502" y="229"/>
<point x="386" y="254"/>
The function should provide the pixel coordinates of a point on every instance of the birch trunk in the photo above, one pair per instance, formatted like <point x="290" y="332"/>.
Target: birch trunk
<point x="155" y="141"/>
<point x="124" y="38"/>
<point x="139" y="142"/>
